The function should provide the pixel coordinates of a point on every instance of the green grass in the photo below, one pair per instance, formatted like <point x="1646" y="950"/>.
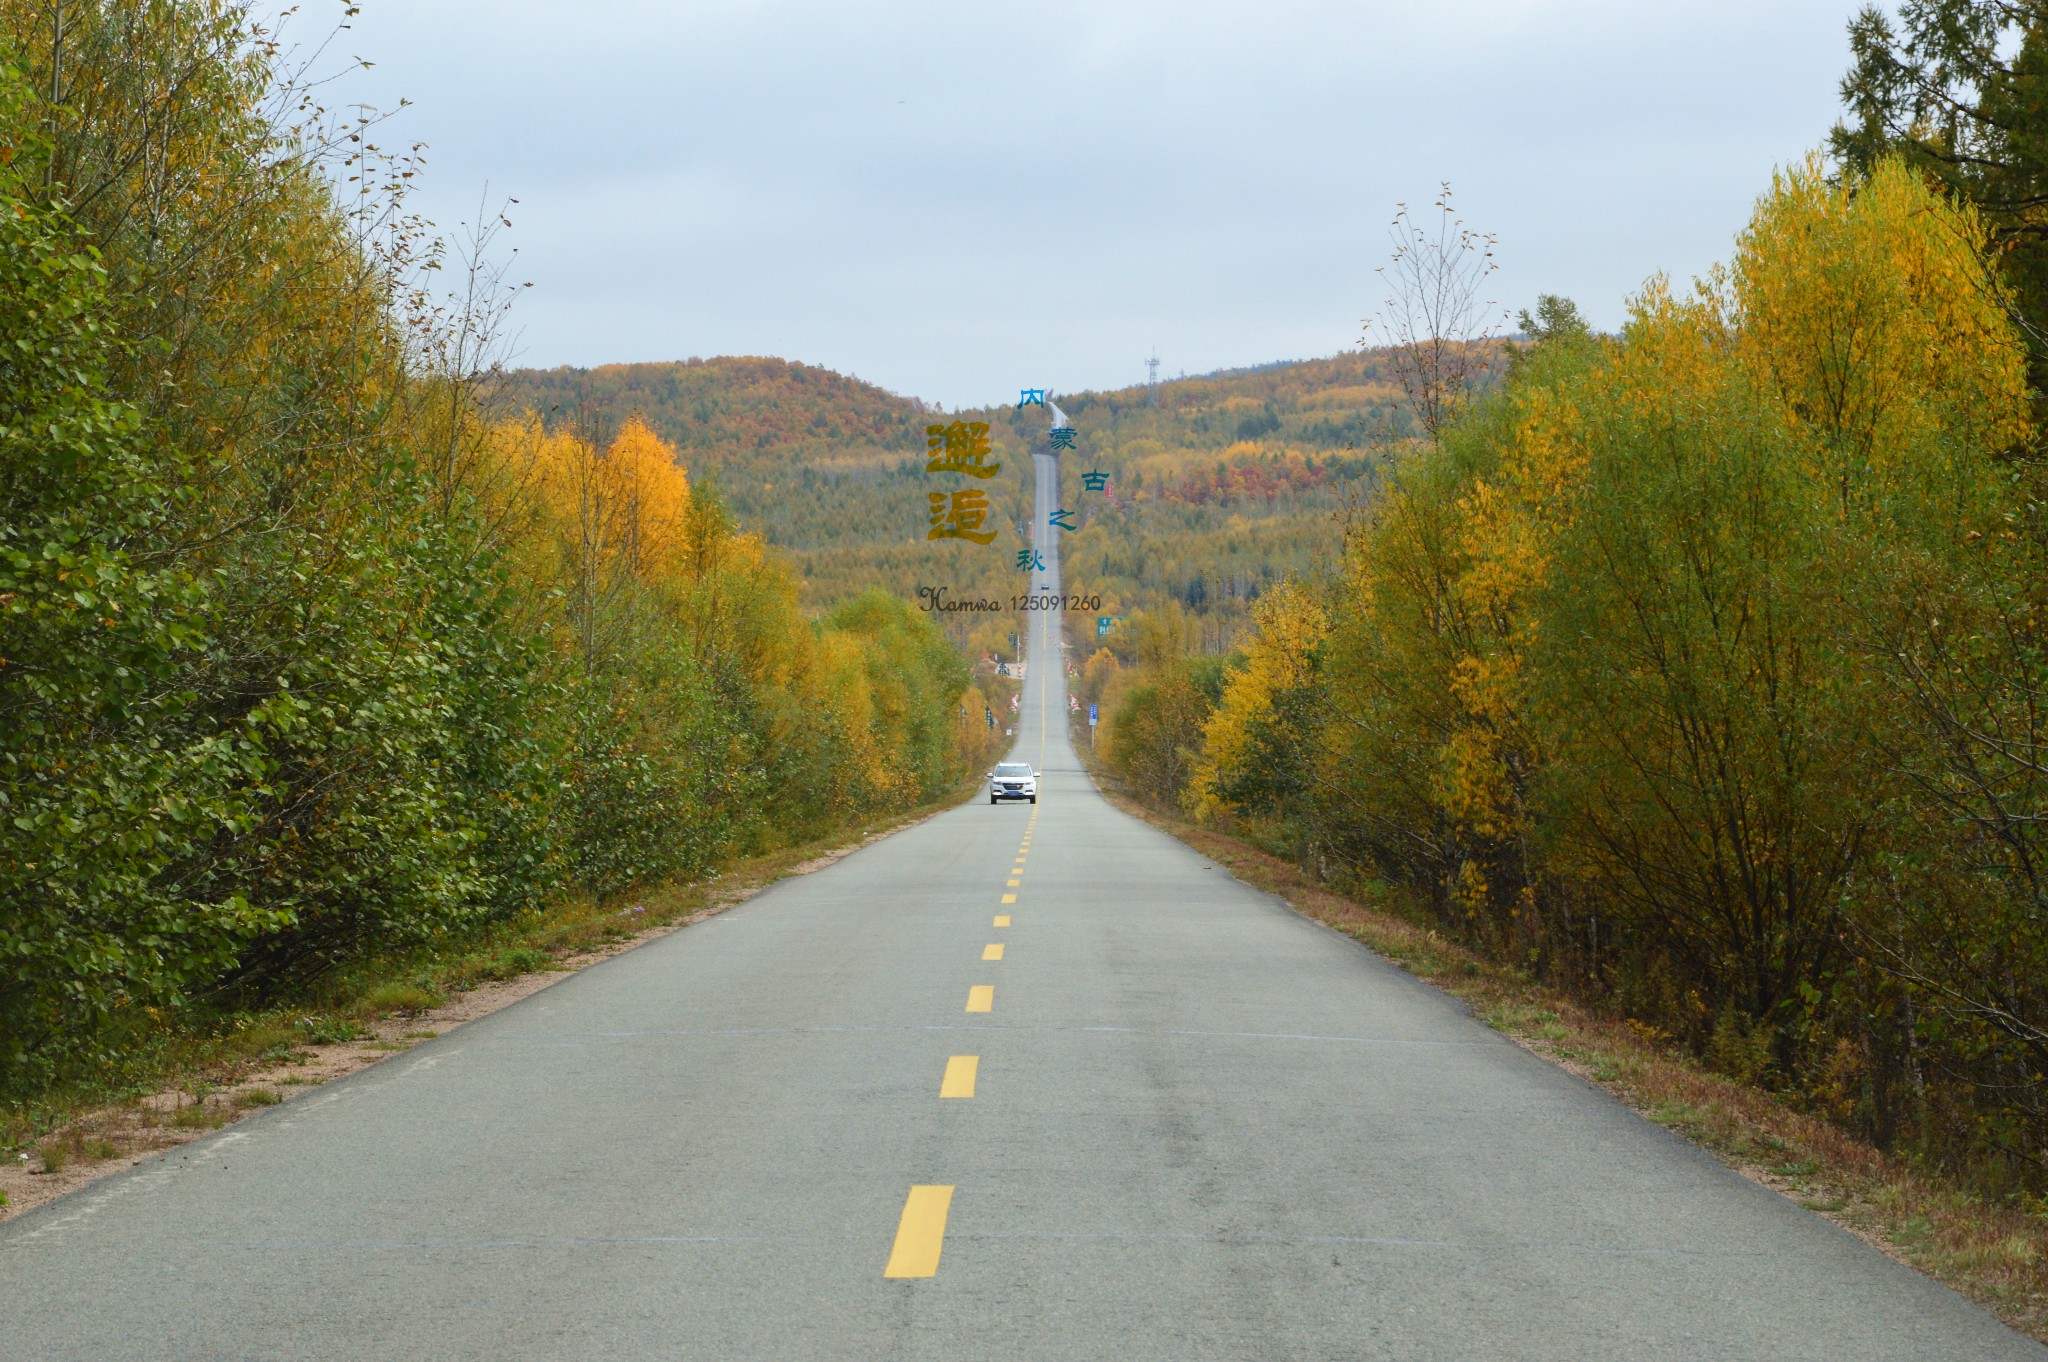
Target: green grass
<point x="198" y="1116"/>
<point x="328" y="1030"/>
<point x="406" y="996"/>
<point x="258" y="1097"/>
<point x="492" y="966"/>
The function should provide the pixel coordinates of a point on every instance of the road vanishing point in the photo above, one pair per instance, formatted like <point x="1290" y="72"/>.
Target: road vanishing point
<point x="1019" y="1082"/>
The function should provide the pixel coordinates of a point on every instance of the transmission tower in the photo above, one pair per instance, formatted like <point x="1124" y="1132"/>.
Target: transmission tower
<point x="1152" y="382"/>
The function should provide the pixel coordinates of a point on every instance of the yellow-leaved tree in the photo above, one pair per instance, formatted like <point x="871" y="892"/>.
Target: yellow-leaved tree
<point x="1258" y="743"/>
<point x="700" y="711"/>
<point x="1701" y="667"/>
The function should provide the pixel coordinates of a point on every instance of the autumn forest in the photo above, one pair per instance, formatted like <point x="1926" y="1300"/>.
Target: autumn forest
<point x="1696" y="669"/>
<point x="312" y="651"/>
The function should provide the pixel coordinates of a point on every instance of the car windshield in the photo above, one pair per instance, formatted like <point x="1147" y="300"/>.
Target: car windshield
<point x="1011" y="768"/>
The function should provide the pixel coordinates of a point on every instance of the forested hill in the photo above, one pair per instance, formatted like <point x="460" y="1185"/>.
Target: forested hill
<point x="777" y="437"/>
<point x="810" y="458"/>
<point x="735" y="407"/>
<point x="1346" y="402"/>
<point x="1220" y="484"/>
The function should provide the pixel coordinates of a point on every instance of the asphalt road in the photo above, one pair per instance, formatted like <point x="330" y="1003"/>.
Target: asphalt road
<point x="1200" y="1127"/>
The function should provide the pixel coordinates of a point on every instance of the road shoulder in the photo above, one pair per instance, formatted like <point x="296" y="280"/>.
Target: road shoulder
<point x="1995" y="1256"/>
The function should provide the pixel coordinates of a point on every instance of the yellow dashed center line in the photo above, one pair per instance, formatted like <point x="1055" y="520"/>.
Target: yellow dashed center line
<point x="959" y="1079"/>
<point x="921" y="1233"/>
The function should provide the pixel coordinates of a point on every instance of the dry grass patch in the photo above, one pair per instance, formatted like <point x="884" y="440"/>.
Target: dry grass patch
<point x="61" y="1152"/>
<point x="200" y="1115"/>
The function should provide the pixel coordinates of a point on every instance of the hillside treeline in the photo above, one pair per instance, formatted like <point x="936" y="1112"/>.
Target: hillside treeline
<point x="304" y="654"/>
<point x="824" y="467"/>
<point x="1701" y="669"/>
<point x="808" y="458"/>
<point x="1222" y="486"/>
<point x="1217" y="491"/>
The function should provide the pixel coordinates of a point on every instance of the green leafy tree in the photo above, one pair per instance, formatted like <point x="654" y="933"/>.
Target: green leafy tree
<point x="1959" y="90"/>
<point x="97" y="804"/>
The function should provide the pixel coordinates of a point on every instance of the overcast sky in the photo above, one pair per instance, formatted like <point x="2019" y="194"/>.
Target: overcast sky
<point x="955" y="200"/>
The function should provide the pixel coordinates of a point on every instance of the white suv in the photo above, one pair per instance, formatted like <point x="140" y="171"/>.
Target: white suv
<point x="1012" y="780"/>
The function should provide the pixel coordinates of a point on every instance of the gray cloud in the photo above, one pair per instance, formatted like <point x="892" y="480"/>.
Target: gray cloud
<point x="954" y="200"/>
